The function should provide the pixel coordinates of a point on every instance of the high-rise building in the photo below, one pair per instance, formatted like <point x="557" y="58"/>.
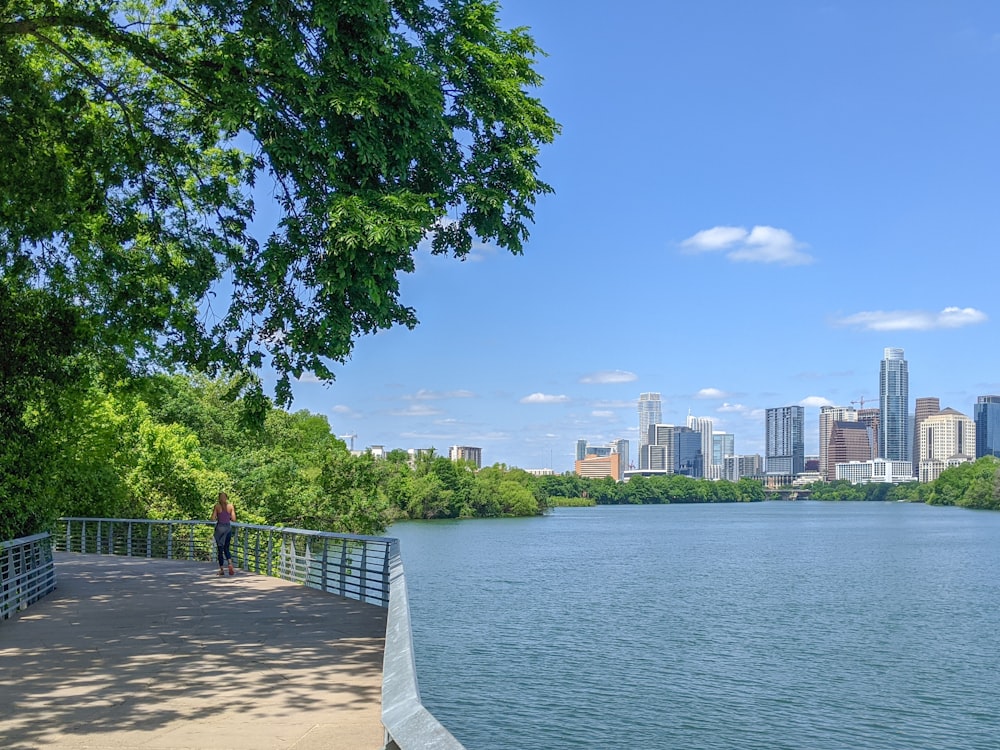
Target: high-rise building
<point x="581" y="449"/>
<point x="894" y="404"/>
<point x="735" y="467"/>
<point x="827" y="416"/>
<point x="649" y="415"/>
<point x="872" y="418"/>
<point x="947" y="438"/>
<point x="659" y="452"/>
<point x="987" y="414"/>
<point x="703" y="426"/>
<point x="784" y="441"/>
<point x="925" y="407"/>
<point x="723" y="444"/>
<point x="687" y="451"/>
<point x="621" y="448"/>
<point x="466" y="453"/>
<point x="849" y="441"/>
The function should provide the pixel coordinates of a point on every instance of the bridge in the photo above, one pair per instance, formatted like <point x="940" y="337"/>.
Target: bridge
<point x="125" y="637"/>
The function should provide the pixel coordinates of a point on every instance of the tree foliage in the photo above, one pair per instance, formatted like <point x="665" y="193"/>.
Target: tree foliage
<point x="140" y="141"/>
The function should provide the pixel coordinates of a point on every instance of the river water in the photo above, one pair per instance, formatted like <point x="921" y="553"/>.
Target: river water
<point x="798" y="625"/>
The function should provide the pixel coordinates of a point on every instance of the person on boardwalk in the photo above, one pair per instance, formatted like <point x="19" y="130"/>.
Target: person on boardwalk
<point x="224" y="513"/>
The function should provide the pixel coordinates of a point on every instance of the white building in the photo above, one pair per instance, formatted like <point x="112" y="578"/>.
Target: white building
<point x="947" y="439"/>
<point x="466" y="453"/>
<point x="879" y="470"/>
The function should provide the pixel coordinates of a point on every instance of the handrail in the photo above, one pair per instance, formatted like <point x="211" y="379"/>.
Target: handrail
<point x="366" y="568"/>
<point x="27" y="572"/>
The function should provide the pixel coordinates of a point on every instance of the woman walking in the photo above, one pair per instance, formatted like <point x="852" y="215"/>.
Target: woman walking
<point x="224" y="513"/>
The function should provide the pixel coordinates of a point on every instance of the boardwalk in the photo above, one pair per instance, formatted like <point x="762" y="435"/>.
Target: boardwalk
<point x="162" y="655"/>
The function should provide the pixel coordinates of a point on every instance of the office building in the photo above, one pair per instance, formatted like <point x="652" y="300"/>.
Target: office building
<point x="723" y="444"/>
<point x="659" y="452"/>
<point x="735" y="467"/>
<point x="649" y="414"/>
<point x="598" y="467"/>
<point x="827" y="416"/>
<point x="687" y="451"/>
<point x="871" y="418"/>
<point x="947" y="439"/>
<point x="877" y="470"/>
<point x="621" y="449"/>
<point x="703" y="426"/>
<point x="894" y="404"/>
<point x="849" y="441"/>
<point x="925" y="407"/>
<point x="466" y="453"/>
<point x="581" y="449"/>
<point x="987" y="416"/>
<point x="784" y="440"/>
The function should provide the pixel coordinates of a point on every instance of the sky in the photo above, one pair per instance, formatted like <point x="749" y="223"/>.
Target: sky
<point x="752" y="201"/>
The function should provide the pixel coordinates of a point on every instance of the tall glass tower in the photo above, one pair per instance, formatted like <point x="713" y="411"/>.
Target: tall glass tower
<point x="649" y="414"/>
<point x="987" y="415"/>
<point x="893" y="402"/>
<point x="784" y="431"/>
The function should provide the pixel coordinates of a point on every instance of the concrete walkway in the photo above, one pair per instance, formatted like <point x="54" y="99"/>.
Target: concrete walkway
<point x="162" y="655"/>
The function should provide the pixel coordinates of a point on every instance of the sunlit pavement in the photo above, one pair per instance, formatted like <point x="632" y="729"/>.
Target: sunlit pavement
<point x="134" y="653"/>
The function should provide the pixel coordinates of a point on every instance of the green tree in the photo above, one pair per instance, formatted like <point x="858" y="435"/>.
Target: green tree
<point x="133" y="133"/>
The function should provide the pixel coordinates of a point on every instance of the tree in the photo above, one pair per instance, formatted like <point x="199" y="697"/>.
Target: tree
<point x="133" y="133"/>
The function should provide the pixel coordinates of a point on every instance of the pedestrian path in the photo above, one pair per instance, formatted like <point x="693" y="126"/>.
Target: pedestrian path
<point x="133" y="653"/>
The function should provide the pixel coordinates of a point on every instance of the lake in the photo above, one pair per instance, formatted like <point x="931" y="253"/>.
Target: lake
<point x="798" y="625"/>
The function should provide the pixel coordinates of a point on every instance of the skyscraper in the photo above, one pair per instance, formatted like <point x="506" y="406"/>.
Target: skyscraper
<point x="785" y="450"/>
<point x="893" y="404"/>
<point x="947" y="438"/>
<point x="987" y="415"/>
<point x="827" y="416"/>
<point x="703" y="426"/>
<point x="649" y="414"/>
<point x="849" y="441"/>
<point x="925" y="407"/>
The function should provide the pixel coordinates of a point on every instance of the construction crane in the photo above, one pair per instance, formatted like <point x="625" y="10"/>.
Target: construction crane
<point x="861" y="402"/>
<point x="351" y="437"/>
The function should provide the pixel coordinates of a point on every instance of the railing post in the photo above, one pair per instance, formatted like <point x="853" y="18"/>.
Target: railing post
<point x="170" y="541"/>
<point x="128" y="540"/>
<point x="149" y="540"/>
<point x="343" y="567"/>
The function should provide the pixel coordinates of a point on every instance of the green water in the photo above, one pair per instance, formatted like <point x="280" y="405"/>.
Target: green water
<point x="795" y="625"/>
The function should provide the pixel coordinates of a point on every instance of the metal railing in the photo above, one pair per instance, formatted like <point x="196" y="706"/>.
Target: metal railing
<point x="366" y="568"/>
<point x="355" y="567"/>
<point x="27" y="572"/>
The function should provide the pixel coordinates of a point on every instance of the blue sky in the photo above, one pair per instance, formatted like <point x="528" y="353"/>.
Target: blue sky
<point x="752" y="201"/>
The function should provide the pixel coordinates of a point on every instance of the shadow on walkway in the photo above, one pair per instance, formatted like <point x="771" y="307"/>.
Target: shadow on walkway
<point x="134" y="653"/>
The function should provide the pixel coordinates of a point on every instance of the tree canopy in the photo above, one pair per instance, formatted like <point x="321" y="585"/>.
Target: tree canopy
<point x="137" y="138"/>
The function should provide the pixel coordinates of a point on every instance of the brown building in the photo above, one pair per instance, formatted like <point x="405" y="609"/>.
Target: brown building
<point x="849" y="441"/>
<point x="925" y="407"/>
<point x="598" y="467"/>
<point x="871" y="418"/>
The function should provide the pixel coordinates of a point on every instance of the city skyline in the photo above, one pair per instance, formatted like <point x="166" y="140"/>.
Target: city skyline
<point x="729" y="187"/>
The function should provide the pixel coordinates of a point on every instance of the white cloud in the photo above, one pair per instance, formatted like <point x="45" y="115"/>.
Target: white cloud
<point x="762" y="244"/>
<point x="613" y="404"/>
<point x="710" y="393"/>
<point x="816" y="401"/>
<point x="716" y="238"/>
<point x="727" y="407"/>
<point x="609" y="376"/>
<point x="341" y="409"/>
<point x="544" y="398"/>
<point x="914" y="320"/>
<point x="416" y="410"/>
<point x="309" y="377"/>
<point x="602" y="414"/>
<point x="425" y="395"/>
